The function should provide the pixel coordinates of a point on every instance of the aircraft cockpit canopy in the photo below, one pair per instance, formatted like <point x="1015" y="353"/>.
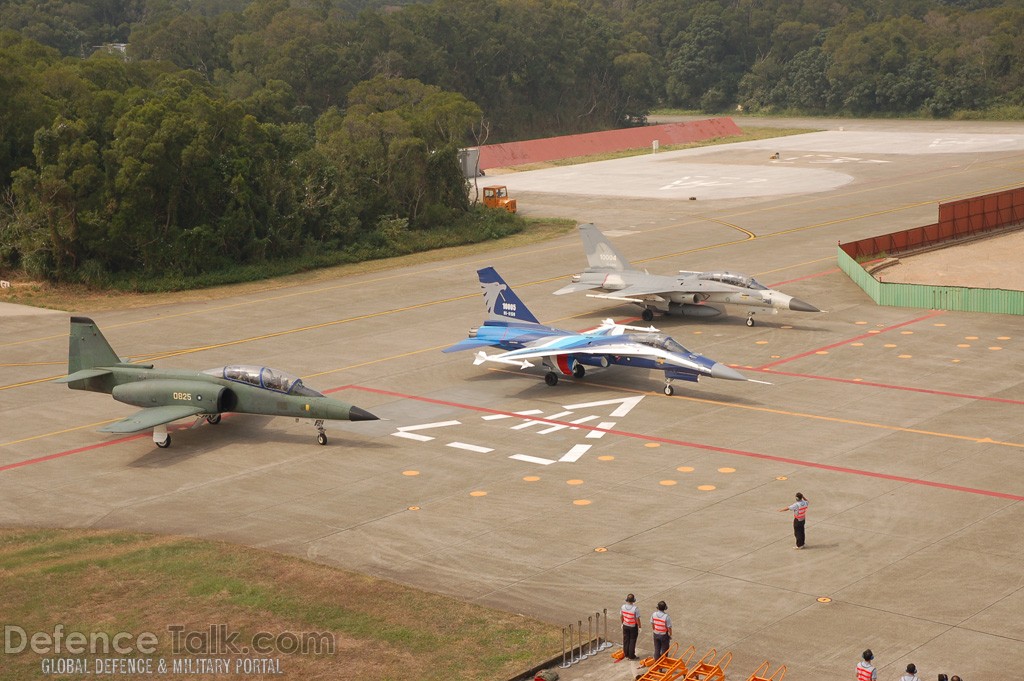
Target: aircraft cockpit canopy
<point x="733" y="279"/>
<point x="660" y="341"/>
<point x="264" y="377"/>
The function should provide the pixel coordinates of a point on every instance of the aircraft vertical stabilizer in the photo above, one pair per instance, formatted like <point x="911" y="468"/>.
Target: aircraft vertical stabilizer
<point x="87" y="348"/>
<point x="500" y="300"/>
<point x="601" y="255"/>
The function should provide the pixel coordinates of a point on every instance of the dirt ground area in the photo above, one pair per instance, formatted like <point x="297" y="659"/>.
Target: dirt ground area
<point x="986" y="263"/>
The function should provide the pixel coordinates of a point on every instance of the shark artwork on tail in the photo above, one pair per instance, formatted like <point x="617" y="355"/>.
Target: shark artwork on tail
<point x="167" y="395"/>
<point x="511" y="327"/>
<point x="690" y="294"/>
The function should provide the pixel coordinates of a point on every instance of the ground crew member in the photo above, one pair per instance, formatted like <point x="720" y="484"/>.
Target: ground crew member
<point x="911" y="674"/>
<point x="661" y="625"/>
<point x="799" y="509"/>
<point x="866" y="670"/>
<point x="630" y="616"/>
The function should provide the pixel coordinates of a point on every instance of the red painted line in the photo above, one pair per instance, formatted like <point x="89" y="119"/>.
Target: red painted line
<point x="711" y="448"/>
<point x="58" y="455"/>
<point x="888" y="386"/>
<point x="850" y="340"/>
<point x="809" y="276"/>
<point x="583" y="426"/>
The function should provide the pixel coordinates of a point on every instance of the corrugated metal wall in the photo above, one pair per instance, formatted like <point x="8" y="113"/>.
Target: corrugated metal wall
<point x="960" y="298"/>
<point x="957" y="220"/>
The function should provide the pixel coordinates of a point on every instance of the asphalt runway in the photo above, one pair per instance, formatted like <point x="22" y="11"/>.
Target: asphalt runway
<point x="902" y="426"/>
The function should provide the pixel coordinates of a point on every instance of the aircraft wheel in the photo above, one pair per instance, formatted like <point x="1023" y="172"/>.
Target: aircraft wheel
<point x="750" y="321"/>
<point x="321" y="438"/>
<point x="165" y="444"/>
<point x="669" y="390"/>
<point x="579" y="371"/>
<point x="647" y="315"/>
<point x="213" y="419"/>
<point x="551" y="378"/>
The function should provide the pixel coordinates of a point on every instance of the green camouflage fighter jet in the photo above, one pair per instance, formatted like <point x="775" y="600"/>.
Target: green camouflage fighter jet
<point x="167" y="396"/>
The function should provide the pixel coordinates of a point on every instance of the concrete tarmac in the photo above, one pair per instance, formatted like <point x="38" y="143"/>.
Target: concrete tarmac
<point x="902" y="426"/>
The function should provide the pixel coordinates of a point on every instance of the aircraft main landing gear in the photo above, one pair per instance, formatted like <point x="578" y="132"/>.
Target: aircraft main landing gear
<point x="213" y="419"/>
<point x="321" y="436"/>
<point x="647" y="315"/>
<point x="579" y="371"/>
<point x="551" y="378"/>
<point x="161" y="437"/>
<point x="669" y="390"/>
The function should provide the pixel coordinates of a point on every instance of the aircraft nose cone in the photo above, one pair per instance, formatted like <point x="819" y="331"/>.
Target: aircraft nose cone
<point x="719" y="370"/>
<point x="357" y="414"/>
<point x="797" y="305"/>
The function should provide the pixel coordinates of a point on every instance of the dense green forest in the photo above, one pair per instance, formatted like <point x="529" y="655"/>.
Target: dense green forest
<point x="156" y="139"/>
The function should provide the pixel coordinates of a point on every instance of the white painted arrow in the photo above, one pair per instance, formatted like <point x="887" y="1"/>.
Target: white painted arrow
<point x="626" y="405"/>
<point x="405" y="431"/>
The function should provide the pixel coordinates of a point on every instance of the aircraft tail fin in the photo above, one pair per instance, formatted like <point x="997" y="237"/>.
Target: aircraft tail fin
<point x="87" y="348"/>
<point x="601" y="255"/>
<point x="500" y="301"/>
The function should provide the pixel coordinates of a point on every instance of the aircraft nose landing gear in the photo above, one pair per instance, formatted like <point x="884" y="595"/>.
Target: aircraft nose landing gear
<point x="750" y="319"/>
<point x="321" y="436"/>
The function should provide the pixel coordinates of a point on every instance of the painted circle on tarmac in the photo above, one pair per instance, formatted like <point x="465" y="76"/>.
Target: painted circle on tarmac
<point x="685" y="469"/>
<point x="600" y="549"/>
<point x="667" y="483"/>
<point x="581" y="502"/>
<point x="824" y="599"/>
<point x="653" y="444"/>
<point x="410" y="473"/>
<point x="531" y="478"/>
<point x="574" y="482"/>
<point x="782" y="477"/>
<point x="726" y="470"/>
<point x="478" y="493"/>
<point x="606" y="457"/>
<point x="706" y="488"/>
<point x="414" y="508"/>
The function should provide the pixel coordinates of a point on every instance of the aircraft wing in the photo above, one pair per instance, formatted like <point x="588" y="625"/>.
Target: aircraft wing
<point x="152" y="417"/>
<point x="82" y="375"/>
<point x="638" y="290"/>
<point x="620" y="349"/>
<point x="469" y="344"/>
<point x="573" y="288"/>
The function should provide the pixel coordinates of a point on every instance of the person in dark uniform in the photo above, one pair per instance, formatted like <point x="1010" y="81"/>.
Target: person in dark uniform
<point x="630" y="616"/>
<point x="799" y="509"/>
<point x="661" y="624"/>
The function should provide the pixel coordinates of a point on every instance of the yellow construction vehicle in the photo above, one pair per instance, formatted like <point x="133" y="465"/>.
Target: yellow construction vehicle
<point x="497" y="197"/>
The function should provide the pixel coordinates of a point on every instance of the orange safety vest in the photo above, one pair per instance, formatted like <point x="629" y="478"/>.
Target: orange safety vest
<point x="658" y="623"/>
<point x="801" y="510"/>
<point x="865" y="672"/>
<point x="629" y="616"/>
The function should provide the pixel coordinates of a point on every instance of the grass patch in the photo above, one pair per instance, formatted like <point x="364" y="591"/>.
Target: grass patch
<point x="73" y="298"/>
<point x="118" y="581"/>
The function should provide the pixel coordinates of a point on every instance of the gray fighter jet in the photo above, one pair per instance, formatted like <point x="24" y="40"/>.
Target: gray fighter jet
<point x="689" y="294"/>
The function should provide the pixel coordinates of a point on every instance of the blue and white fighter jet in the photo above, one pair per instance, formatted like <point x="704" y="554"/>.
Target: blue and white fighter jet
<point x="511" y="327"/>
